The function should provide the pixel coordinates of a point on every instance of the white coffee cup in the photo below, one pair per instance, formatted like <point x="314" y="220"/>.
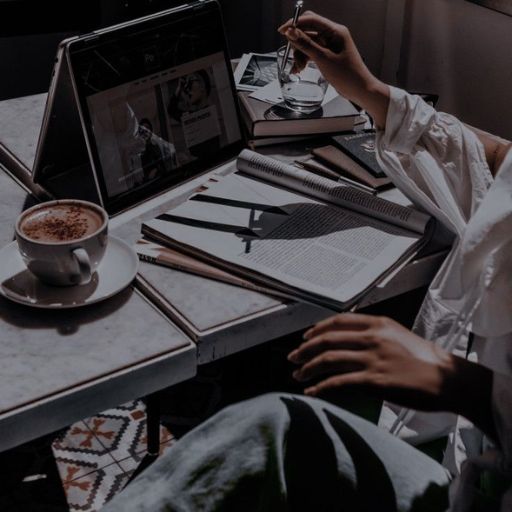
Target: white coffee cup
<point x="62" y="242"/>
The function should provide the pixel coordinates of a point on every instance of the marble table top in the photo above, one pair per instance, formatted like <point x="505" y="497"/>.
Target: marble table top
<point x="20" y="125"/>
<point x="47" y="357"/>
<point x="124" y="347"/>
<point x="215" y="312"/>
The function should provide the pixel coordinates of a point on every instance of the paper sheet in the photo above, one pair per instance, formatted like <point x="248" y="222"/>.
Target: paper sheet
<point x="271" y="93"/>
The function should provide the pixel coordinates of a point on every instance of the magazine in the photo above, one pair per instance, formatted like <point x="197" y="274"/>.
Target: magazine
<point x="296" y="232"/>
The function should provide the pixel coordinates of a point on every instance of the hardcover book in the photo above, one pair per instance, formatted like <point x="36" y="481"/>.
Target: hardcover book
<point x="361" y="148"/>
<point x="265" y="120"/>
<point x="345" y="165"/>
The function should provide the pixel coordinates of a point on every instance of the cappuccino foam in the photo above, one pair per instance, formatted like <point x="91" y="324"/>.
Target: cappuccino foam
<point x="61" y="223"/>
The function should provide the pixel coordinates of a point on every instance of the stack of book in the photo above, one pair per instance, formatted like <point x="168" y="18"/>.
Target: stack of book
<point x="266" y="118"/>
<point x="266" y="123"/>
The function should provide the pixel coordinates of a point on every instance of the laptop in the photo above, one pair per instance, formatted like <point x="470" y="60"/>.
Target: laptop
<point x="138" y="108"/>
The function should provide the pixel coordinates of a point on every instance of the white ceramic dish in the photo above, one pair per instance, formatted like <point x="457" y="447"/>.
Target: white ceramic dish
<point x="115" y="272"/>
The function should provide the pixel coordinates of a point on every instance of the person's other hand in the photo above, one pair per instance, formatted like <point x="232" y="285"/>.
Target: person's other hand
<point x="332" y="48"/>
<point x="378" y="355"/>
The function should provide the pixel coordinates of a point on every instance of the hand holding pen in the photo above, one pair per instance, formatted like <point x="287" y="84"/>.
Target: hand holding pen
<point x="332" y="48"/>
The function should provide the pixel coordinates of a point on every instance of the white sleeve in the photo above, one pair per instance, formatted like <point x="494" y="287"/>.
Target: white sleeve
<point x="434" y="159"/>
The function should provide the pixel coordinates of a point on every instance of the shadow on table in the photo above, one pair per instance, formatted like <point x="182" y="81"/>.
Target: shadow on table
<point x="64" y="321"/>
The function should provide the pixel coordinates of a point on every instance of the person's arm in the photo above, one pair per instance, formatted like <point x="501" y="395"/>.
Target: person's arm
<point x="495" y="149"/>
<point x="331" y="46"/>
<point x="387" y="360"/>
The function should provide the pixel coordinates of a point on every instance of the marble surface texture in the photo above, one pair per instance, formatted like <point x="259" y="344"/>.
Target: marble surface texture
<point x="13" y="200"/>
<point x="44" y="352"/>
<point x="204" y="302"/>
<point x="20" y="125"/>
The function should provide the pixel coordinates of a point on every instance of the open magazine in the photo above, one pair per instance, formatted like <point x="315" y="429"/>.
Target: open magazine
<point x="293" y="231"/>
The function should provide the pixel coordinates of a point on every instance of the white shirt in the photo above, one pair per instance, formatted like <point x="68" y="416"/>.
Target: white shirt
<point x="440" y="165"/>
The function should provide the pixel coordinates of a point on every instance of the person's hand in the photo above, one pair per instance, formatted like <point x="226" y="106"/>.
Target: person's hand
<point x="376" y="354"/>
<point x="332" y="48"/>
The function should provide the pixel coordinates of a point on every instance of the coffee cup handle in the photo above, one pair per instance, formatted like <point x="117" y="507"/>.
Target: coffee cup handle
<point x="84" y="265"/>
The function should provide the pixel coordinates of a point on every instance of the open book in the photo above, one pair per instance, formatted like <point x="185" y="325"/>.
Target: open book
<point x="294" y="231"/>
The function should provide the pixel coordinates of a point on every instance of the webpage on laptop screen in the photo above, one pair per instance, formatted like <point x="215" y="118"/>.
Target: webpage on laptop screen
<point x="176" y="109"/>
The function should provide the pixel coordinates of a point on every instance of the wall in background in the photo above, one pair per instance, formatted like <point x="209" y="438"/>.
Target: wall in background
<point x="252" y="25"/>
<point x="454" y="48"/>
<point x="462" y="51"/>
<point x="451" y="47"/>
<point x="366" y="20"/>
<point x="28" y="43"/>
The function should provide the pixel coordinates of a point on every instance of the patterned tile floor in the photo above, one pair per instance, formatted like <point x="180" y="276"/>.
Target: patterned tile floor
<point x="82" y="467"/>
<point x="85" y="465"/>
<point x="96" y="457"/>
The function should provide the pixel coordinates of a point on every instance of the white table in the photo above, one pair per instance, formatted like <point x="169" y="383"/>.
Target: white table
<point x="57" y="367"/>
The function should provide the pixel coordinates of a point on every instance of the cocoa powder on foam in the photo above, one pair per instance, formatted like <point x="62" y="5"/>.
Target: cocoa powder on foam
<point x="60" y="224"/>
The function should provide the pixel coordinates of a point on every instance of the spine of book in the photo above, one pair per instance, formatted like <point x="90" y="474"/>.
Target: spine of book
<point x="269" y="141"/>
<point x="245" y="110"/>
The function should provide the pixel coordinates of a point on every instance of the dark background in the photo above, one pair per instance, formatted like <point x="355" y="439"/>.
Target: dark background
<point x="30" y="31"/>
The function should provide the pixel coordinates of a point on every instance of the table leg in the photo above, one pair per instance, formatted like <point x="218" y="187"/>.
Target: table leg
<point x="153" y="424"/>
<point x="152" y="432"/>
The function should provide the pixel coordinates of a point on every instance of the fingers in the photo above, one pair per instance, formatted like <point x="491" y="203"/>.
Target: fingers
<point x="331" y="340"/>
<point x="309" y="38"/>
<point x="299" y="61"/>
<point x="337" y="382"/>
<point x="352" y="321"/>
<point x="304" y="43"/>
<point x="332" y="361"/>
<point x="308" y="21"/>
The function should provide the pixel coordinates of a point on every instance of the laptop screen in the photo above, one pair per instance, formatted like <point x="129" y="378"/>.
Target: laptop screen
<point x="157" y="100"/>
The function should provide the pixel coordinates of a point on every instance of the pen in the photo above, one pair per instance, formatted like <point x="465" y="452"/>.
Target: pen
<point x="296" y="14"/>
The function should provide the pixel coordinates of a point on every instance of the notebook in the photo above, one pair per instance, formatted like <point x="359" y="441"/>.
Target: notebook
<point x="140" y="107"/>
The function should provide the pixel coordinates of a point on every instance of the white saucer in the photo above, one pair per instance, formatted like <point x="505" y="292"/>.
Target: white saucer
<point x="116" y="271"/>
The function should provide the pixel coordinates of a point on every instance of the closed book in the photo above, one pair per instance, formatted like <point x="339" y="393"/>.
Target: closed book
<point x="361" y="148"/>
<point x="266" y="120"/>
<point x="346" y="165"/>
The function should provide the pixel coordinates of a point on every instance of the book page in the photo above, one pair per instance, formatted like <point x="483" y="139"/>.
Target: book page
<point x="271" y="93"/>
<point x="316" y="249"/>
<point x="277" y="172"/>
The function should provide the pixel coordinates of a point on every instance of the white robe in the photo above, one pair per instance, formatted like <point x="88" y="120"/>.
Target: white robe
<point x="440" y="165"/>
